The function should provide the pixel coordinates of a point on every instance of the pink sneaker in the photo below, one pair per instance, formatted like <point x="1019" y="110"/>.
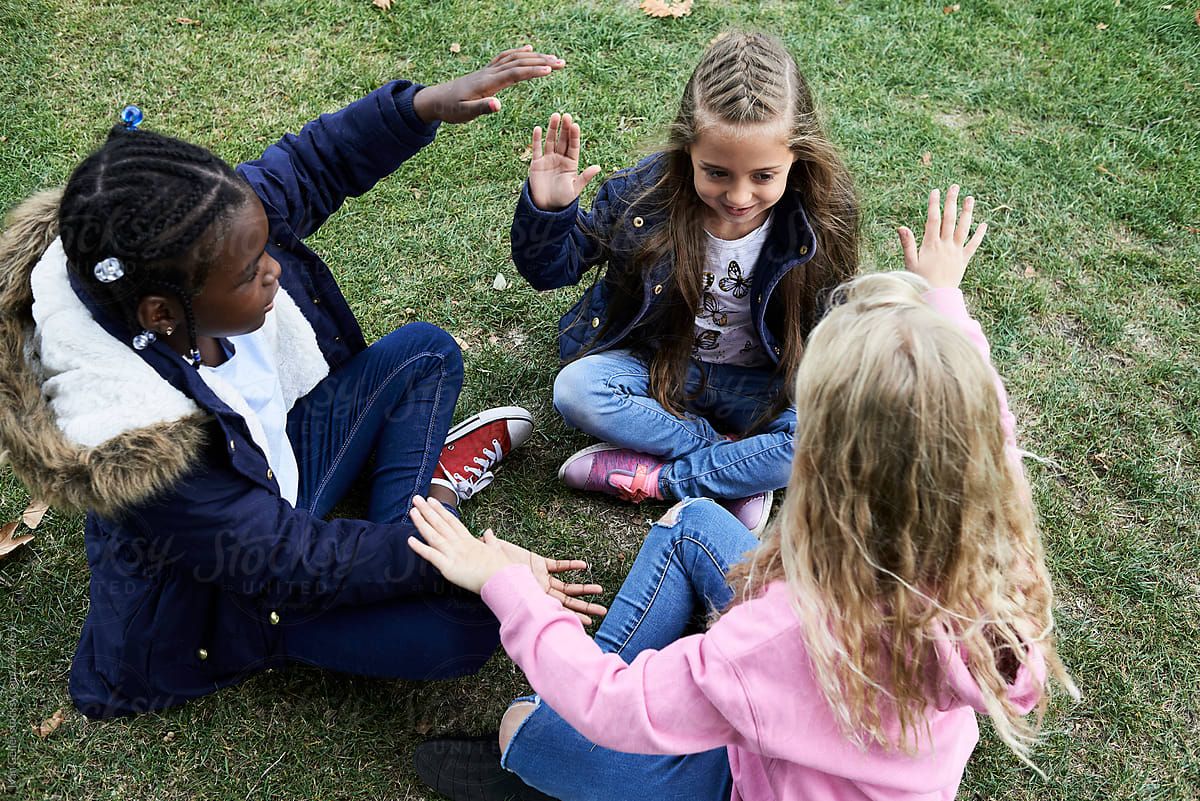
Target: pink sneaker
<point x="476" y="445"/>
<point x="612" y="470"/>
<point x="753" y="511"/>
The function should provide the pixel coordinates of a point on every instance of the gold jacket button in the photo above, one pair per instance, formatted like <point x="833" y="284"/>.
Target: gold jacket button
<point x="595" y="322"/>
<point x="203" y="654"/>
<point x="270" y="475"/>
<point x="658" y="289"/>
<point x="760" y="297"/>
<point x="803" y="249"/>
<point x="638" y="222"/>
<point x="232" y="445"/>
<point x="274" y="618"/>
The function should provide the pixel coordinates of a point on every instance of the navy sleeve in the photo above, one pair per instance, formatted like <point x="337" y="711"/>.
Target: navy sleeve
<point x="552" y="249"/>
<point x="219" y="527"/>
<point x="306" y="177"/>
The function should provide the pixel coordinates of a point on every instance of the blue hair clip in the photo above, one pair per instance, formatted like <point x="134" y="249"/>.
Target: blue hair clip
<point x="131" y="117"/>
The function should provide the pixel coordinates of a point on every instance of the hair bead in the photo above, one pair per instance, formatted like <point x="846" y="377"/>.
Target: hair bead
<point x="131" y="117"/>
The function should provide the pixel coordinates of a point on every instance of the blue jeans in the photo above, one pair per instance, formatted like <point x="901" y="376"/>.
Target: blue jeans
<point x="679" y="574"/>
<point x="394" y="400"/>
<point x="608" y="396"/>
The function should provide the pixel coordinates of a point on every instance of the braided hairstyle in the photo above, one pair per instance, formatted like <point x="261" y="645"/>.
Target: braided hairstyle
<point x="743" y="79"/>
<point x="160" y="206"/>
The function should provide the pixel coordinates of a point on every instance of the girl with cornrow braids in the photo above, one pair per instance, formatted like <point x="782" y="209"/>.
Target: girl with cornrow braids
<point x="720" y="251"/>
<point x="178" y="363"/>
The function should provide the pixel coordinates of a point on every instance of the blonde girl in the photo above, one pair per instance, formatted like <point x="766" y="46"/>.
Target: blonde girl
<point x="720" y="251"/>
<point x="901" y="591"/>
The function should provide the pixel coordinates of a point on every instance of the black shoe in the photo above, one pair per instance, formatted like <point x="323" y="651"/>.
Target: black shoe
<point x="468" y="769"/>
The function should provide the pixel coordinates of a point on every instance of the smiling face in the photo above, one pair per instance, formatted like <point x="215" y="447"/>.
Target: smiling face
<point x="740" y="173"/>
<point x="243" y="279"/>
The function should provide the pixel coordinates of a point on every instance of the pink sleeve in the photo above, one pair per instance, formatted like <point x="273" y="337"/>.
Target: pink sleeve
<point x="950" y="303"/>
<point x="683" y="699"/>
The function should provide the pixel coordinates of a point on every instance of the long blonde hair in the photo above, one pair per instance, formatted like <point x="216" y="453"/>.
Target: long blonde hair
<point x="906" y="519"/>
<point x="742" y="79"/>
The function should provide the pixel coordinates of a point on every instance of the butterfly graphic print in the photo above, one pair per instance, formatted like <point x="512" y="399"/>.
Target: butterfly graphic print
<point x="706" y="340"/>
<point x="734" y="283"/>
<point x="713" y="311"/>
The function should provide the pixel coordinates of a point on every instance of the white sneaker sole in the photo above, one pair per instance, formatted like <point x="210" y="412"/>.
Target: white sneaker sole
<point x="588" y="451"/>
<point x="520" y="424"/>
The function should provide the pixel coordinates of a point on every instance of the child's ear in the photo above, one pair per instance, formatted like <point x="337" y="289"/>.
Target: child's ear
<point x="157" y="313"/>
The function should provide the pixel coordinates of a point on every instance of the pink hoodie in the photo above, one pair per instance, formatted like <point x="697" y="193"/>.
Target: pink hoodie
<point x="747" y="684"/>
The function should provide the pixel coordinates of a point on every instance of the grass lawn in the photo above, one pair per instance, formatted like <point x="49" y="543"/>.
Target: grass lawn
<point x="1077" y="126"/>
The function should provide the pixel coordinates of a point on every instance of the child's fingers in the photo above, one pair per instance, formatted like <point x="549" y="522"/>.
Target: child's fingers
<point x="964" y="221"/>
<point x="552" y="131"/>
<point x="908" y="245"/>
<point x="565" y="565"/>
<point x="950" y="215"/>
<point x="505" y="54"/>
<point x="450" y="525"/>
<point x="573" y="142"/>
<point x="477" y="108"/>
<point x="973" y="244"/>
<point x="933" y="217"/>
<point x="431" y="555"/>
<point x="536" y="146"/>
<point x="585" y="178"/>
<point x="425" y="526"/>
<point x="563" y="142"/>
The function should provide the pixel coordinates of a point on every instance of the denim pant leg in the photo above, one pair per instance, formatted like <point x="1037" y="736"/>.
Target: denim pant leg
<point x="396" y="400"/>
<point x="607" y="395"/>
<point x="734" y="398"/>
<point x="679" y="571"/>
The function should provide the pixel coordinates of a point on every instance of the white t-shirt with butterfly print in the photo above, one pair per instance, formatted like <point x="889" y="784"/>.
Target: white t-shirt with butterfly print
<point x="724" y="328"/>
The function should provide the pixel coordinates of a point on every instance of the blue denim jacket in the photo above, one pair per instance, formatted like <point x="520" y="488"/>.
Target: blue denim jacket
<point x="553" y="249"/>
<point x="187" y="588"/>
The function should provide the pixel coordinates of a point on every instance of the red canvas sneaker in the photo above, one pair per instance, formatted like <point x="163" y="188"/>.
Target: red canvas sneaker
<point x="475" y="446"/>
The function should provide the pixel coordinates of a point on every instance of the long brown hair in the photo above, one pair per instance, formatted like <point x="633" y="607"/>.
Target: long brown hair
<point x="742" y="79"/>
<point x="907" y="521"/>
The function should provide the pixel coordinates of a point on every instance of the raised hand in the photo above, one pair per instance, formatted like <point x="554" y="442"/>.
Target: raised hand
<point x="945" y="249"/>
<point x="469" y="562"/>
<point x="463" y="99"/>
<point x="554" y="178"/>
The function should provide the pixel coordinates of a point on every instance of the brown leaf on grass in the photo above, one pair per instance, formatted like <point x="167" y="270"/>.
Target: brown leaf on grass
<point x="951" y="9"/>
<point x="49" y="725"/>
<point x="9" y="543"/>
<point x="384" y="4"/>
<point x="33" y="514"/>
<point x="926" y="159"/>
<point x="455" y="47"/>
<point x="462" y="343"/>
<point x="1192" y="230"/>
<point x="666" y="8"/>
<point x="1102" y="26"/>
<point x="1030" y="272"/>
<point x="186" y="21"/>
<point x="527" y="154"/>
<point x="1198" y="16"/>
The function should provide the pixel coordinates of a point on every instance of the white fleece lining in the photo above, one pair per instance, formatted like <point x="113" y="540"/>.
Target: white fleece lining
<point x="99" y="388"/>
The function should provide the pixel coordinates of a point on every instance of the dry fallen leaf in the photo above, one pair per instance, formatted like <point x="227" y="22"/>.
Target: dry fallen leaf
<point x="9" y="543"/>
<point x="47" y="726"/>
<point x="384" y="4"/>
<point x="501" y="283"/>
<point x="527" y="154"/>
<point x="462" y="343"/>
<point x="455" y="47"/>
<point x="1101" y="26"/>
<point x="926" y="159"/>
<point x="1030" y="272"/>
<point x="1198" y="16"/>
<point x="493" y="339"/>
<point x="951" y="9"/>
<point x="186" y="21"/>
<point x="666" y="8"/>
<point x="33" y="514"/>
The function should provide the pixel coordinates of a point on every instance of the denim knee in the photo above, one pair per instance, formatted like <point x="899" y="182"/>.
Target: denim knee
<point x="575" y="392"/>
<point x="417" y="337"/>
<point x="713" y="523"/>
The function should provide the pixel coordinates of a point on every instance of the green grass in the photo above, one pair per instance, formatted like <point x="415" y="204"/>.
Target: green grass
<point x="1082" y="145"/>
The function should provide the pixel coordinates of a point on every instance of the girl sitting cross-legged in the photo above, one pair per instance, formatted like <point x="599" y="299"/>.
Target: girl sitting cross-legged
<point x="901" y="591"/>
<point x="720" y="251"/>
<point x="178" y="363"/>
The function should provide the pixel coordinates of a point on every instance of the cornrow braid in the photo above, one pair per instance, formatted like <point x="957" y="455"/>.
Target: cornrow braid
<point x="158" y="204"/>
<point x="189" y="318"/>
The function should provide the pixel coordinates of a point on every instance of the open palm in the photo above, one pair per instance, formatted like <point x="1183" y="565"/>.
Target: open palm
<point x="554" y="178"/>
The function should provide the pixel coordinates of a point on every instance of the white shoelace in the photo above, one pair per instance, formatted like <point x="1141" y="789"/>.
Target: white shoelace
<point x="480" y="476"/>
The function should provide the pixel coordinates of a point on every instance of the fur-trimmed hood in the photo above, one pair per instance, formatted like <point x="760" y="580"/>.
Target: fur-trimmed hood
<point x="85" y="422"/>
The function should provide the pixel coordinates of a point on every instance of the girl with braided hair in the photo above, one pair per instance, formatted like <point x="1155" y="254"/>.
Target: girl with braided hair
<point x="719" y="252"/>
<point x="178" y="363"/>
